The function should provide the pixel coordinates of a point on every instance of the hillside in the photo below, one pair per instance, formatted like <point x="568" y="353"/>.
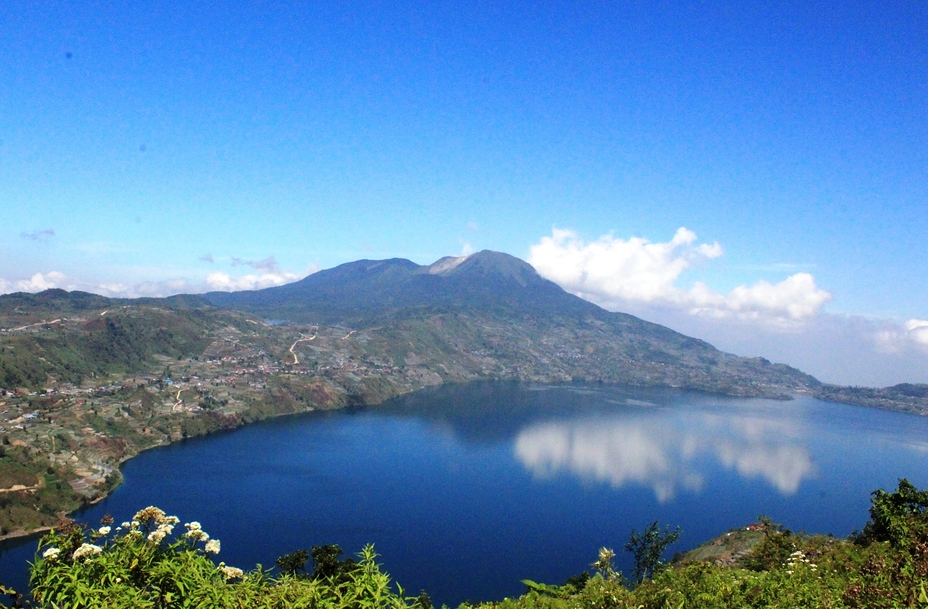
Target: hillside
<point x="496" y="307"/>
<point x="87" y="382"/>
<point x="57" y="338"/>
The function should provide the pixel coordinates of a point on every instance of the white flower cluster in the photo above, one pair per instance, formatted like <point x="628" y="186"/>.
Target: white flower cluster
<point x="605" y="558"/>
<point x="152" y="517"/>
<point x="158" y="535"/>
<point x="86" y="550"/>
<point x="132" y="528"/>
<point x="229" y="572"/>
<point x="796" y="559"/>
<point x="604" y="564"/>
<point x="196" y="532"/>
<point x="156" y="515"/>
<point x="158" y="527"/>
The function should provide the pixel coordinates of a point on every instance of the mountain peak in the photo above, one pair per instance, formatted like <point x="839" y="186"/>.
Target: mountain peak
<point x="489" y="263"/>
<point x="445" y="265"/>
<point x="368" y="291"/>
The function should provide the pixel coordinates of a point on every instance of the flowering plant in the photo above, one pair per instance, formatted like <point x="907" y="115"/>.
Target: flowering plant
<point x="147" y="563"/>
<point x="141" y="562"/>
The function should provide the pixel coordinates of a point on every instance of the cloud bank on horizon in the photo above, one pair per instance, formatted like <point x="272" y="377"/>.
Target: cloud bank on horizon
<point x="267" y="273"/>
<point x="783" y="321"/>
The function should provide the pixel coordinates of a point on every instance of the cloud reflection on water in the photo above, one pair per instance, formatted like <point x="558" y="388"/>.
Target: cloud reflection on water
<point x="666" y="455"/>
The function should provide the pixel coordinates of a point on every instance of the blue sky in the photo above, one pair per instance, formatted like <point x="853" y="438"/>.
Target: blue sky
<point x="163" y="147"/>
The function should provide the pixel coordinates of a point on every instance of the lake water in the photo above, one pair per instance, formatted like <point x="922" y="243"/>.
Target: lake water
<point x="465" y="490"/>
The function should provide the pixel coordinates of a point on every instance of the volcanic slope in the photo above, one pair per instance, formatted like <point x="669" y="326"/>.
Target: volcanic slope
<point x="490" y="315"/>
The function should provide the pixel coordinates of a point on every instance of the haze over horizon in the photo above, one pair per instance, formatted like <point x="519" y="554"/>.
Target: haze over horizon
<point x="754" y="176"/>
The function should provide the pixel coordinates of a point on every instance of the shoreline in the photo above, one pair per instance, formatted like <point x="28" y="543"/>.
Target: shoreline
<point x="239" y="422"/>
<point x="23" y="535"/>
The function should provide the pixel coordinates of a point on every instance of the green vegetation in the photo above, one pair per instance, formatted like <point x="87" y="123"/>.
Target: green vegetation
<point x="886" y="566"/>
<point x="648" y="547"/>
<point x="33" y="492"/>
<point x="144" y="563"/>
<point x="121" y="342"/>
<point x="905" y="397"/>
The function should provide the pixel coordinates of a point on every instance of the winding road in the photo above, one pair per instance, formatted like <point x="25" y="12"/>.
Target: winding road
<point x="303" y="338"/>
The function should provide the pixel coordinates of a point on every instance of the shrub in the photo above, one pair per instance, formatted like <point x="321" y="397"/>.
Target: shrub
<point x="144" y="564"/>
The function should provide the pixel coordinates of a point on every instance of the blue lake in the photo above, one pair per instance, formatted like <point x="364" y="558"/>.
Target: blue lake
<point x="465" y="490"/>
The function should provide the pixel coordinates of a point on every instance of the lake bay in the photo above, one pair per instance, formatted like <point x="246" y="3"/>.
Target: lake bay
<point x="464" y="490"/>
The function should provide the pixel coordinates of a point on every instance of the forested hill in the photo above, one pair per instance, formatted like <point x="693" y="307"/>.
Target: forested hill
<point x="56" y="338"/>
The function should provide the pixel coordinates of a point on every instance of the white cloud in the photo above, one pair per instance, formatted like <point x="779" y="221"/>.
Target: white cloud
<point x="113" y="289"/>
<point x="255" y="281"/>
<point x="156" y="289"/>
<point x="614" y="269"/>
<point x="835" y="348"/>
<point x="783" y="321"/>
<point x="614" y="273"/>
<point x="268" y="273"/>
<point x="794" y="299"/>
<point x="39" y="282"/>
<point x="901" y="337"/>
<point x="917" y="331"/>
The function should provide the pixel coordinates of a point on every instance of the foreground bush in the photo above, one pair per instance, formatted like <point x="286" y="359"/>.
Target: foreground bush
<point x="885" y="567"/>
<point x="146" y="564"/>
<point x="150" y="562"/>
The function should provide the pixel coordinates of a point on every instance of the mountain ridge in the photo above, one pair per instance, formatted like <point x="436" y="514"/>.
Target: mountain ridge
<point x="487" y="315"/>
<point x="404" y="300"/>
<point x="494" y="287"/>
<point x="368" y="291"/>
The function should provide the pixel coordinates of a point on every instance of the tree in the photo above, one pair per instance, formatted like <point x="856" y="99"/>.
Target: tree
<point x="293" y="562"/>
<point x="648" y="547"/>
<point x="896" y="517"/>
<point x="326" y="562"/>
<point x="774" y="549"/>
